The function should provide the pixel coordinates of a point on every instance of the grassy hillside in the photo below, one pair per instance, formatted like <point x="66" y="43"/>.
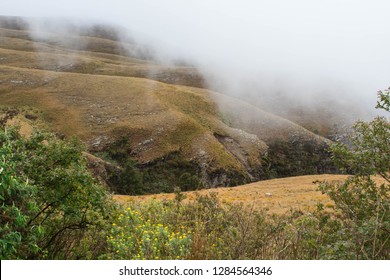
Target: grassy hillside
<point x="107" y="92"/>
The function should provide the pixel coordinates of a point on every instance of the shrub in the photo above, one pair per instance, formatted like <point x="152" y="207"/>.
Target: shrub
<point x="50" y="204"/>
<point x="364" y="203"/>
<point x="139" y="233"/>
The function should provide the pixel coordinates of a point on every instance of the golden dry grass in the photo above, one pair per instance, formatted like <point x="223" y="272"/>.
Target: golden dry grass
<point x="298" y="193"/>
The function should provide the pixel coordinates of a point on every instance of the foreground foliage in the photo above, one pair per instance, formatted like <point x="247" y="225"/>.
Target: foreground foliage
<point x="140" y="234"/>
<point x="50" y="205"/>
<point x="363" y="203"/>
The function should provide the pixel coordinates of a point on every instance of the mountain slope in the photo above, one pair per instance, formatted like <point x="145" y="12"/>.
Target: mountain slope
<point x="103" y="93"/>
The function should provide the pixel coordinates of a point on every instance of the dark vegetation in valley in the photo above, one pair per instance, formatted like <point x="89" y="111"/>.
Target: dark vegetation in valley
<point x="163" y="175"/>
<point x="297" y="158"/>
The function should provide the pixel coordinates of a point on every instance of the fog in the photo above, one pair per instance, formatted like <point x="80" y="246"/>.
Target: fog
<point x="276" y="54"/>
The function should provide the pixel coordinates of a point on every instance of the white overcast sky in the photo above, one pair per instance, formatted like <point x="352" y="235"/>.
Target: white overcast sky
<point x="304" y="44"/>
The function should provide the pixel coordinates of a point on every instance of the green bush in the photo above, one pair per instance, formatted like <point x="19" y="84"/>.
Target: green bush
<point x="50" y="204"/>
<point x="17" y="205"/>
<point x="363" y="202"/>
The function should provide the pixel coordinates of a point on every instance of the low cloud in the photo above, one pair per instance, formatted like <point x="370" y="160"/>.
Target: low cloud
<point x="276" y="53"/>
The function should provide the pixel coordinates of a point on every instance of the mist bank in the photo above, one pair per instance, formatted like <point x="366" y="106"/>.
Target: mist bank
<point x="319" y="59"/>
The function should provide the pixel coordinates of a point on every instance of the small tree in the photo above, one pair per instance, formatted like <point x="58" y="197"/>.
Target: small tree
<point x="49" y="203"/>
<point x="363" y="200"/>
